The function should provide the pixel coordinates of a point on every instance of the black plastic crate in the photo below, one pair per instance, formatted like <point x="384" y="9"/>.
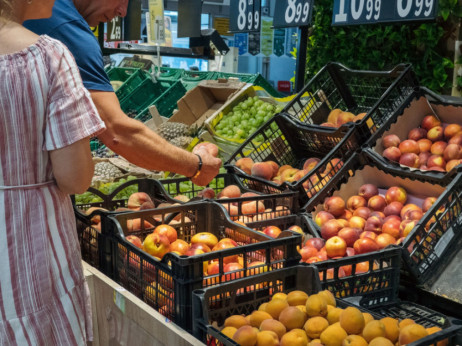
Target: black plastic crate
<point x="409" y="115"/>
<point x="167" y="284"/>
<point x="284" y="222"/>
<point x="89" y="233"/>
<point x="275" y="205"/>
<point x="430" y="245"/>
<point x="287" y="142"/>
<point x="377" y="93"/>
<point x="211" y="306"/>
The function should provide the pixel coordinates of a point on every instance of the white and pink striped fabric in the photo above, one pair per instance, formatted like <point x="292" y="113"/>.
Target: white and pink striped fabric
<point x="43" y="106"/>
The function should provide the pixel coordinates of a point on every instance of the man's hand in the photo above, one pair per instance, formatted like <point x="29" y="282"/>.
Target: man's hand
<point x="210" y="167"/>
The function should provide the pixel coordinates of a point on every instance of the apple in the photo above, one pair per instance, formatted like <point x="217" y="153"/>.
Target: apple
<point x="365" y="245"/>
<point x="334" y="205"/>
<point x="390" y="141"/>
<point x="368" y="190"/>
<point x="392" y="154"/>
<point x="377" y="203"/>
<point x="206" y="238"/>
<point x="330" y="229"/>
<point x="322" y="217"/>
<point x="409" y="146"/>
<point x="134" y="240"/>
<point x="272" y="231"/>
<point x="396" y="194"/>
<point x="336" y="247"/>
<point x="355" y="202"/>
<point x="245" y="164"/>
<point x="429" y="122"/>
<point x="179" y="246"/>
<point x="317" y="243"/>
<point x="349" y="234"/>
<point x="156" y="245"/>
<point x="168" y="231"/>
<point x="417" y="133"/>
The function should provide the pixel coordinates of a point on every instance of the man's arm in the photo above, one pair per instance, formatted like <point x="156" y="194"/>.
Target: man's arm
<point x="143" y="147"/>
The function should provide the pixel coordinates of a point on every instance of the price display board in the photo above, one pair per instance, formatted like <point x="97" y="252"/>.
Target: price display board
<point x="245" y="16"/>
<point x="290" y="13"/>
<point x="114" y="30"/>
<point x="351" y="12"/>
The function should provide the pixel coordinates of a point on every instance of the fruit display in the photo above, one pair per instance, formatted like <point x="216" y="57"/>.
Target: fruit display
<point x="433" y="146"/>
<point x="245" y="118"/>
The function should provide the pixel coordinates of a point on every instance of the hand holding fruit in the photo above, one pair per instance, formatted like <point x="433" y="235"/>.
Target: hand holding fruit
<point x="210" y="165"/>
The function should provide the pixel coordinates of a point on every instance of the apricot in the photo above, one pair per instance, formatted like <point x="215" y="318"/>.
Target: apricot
<point x="267" y="338"/>
<point x="262" y="307"/>
<point x="275" y="306"/>
<point x="354" y="340"/>
<point x="292" y="317"/>
<point x="257" y="317"/>
<point x="352" y="320"/>
<point x="380" y="341"/>
<point x="391" y="328"/>
<point x="333" y="335"/>
<point x="296" y="337"/>
<point x="230" y="191"/>
<point x="333" y="315"/>
<point x="274" y="326"/>
<point x="411" y="333"/>
<point x="295" y="298"/>
<point x="279" y="295"/>
<point x="229" y="331"/>
<point x="373" y="330"/>
<point x="236" y="321"/>
<point x="315" y="326"/>
<point x="315" y="342"/>
<point x="405" y="322"/>
<point x="367" y="318"/>
<point x="316" y="306"/>
<point x="246" y="336"/>
<point x="328" y="297"/>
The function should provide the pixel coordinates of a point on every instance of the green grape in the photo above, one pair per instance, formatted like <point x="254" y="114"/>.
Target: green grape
<point x="244" y="106"/>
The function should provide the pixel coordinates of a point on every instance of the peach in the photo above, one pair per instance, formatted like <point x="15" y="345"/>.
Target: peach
<point x="377" y="203"/>
<point x="417" y="133"/>
<point x="136" y="199"/>
<point x="452" y="164"/>
<point x="392" y="154"/>
<point x="344" y="118"/>
<point x="365" y="245"/>
<point x="322" y="217"/>
<point x="333" y="115"/>
<point x="390" y="141"/>
<point x="409" y="146"/>
<point x="435" y="134"/>
<point x="334" y="205"/>
<point x="298" y="175"/>
<point x="393" y="208"/>
<point x="208" y="192"/>
<point x="349" y="235"/>
<point x="310" y="163"/>
<point x="289" y="174"/>
<point x="424" y="145"/>
<point x="262" y="170"/>
<point x="452" y="152"/>
<point x="438" y="147"/>
<point x="230" y="191"/>
<point x="391" y="227"/>
<point x="357" y="222"/>
<point x="283" y="168"/>
<point x="274" y="165"/>
<point x="245" y="164"/>
<point x="396" y="194"/>
<point x="436" y="161"/>
<point x="456" y="139"/>
<point x="328" y="125"/>
<point x="451" y="130"/>
<point x="330" y="229"/>
<point x="429" y="122"/>
<point x="363" y="212"/>
<point x="410" y="160"/>
<point x="368" y="190"/>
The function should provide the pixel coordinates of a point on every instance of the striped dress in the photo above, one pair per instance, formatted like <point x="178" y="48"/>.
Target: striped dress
<point x="43" y="106"/>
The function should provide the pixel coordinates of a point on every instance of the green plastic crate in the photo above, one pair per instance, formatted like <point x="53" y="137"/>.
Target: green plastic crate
<point x="144" y="95"/>
<point x="120" y="73"/>
<point x="168" y="73"/>
<point x="191" y="78"/>
<point x="131" y="83"/>
<point x="165" y="103"/>
<point x="255" y="79"/>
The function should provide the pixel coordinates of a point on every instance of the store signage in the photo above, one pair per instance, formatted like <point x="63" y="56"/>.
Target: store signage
<point x="289" y="13"/>
<point x="114" y="30"/>
<point x="351" y="12"/>
<point x="245" y="15"/>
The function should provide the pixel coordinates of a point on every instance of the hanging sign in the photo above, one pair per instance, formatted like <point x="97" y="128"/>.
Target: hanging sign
<point x="351" y="12"/>
<point x="289" y="13"/>
<point x="245" y="15"/>
<point x="156" y="22"/>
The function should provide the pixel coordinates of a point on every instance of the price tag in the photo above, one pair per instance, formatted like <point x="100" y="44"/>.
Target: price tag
<point x="114" y="30"/>
<point x="245" y="15"/>
<point x="351" y="12"/>
<point x="289" y="13"/>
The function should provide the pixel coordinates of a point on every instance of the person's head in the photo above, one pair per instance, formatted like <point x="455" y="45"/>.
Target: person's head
<point x="95" y="12"/>
<point x="21" y="10"/>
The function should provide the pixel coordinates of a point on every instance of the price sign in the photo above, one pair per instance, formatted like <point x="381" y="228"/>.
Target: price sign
<point x="114" y="30"/>
<point x="245" y="15"/>
<point x="289" y="13"/>
<point x="351" y="12"/>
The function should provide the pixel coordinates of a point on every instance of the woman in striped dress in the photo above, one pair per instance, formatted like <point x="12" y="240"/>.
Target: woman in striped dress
<point x="46" y="119"/>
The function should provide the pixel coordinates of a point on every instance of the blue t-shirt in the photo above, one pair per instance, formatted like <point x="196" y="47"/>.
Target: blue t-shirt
<point x="68" y="26"/>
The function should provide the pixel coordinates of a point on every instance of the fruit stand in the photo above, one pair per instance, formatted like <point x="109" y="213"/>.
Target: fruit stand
<point x="336" y="218"/>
